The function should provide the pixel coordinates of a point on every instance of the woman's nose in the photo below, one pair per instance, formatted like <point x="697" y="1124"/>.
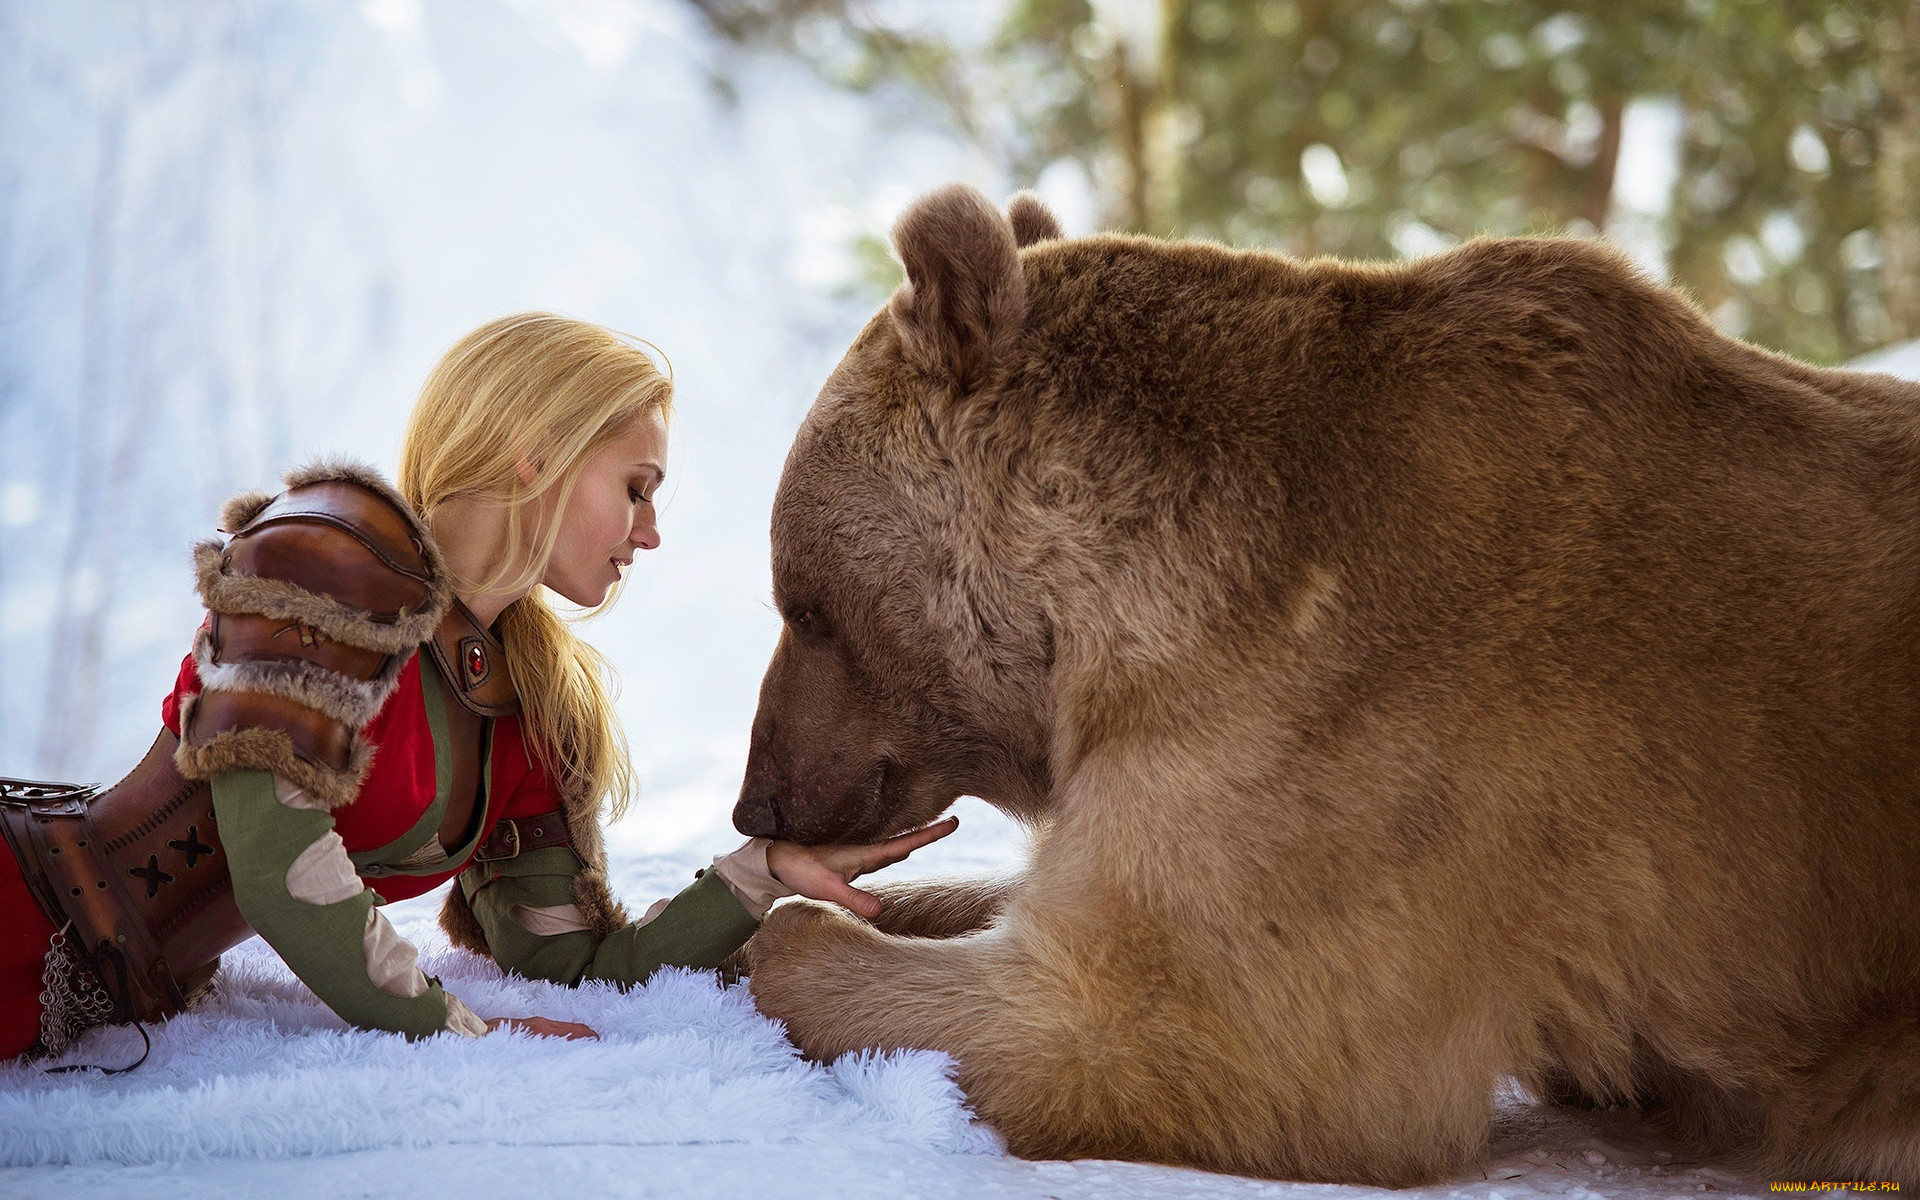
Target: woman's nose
<point x="646" y="534"/>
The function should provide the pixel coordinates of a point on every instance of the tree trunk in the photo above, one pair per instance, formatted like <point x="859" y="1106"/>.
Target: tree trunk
<point x="1596" y="199"/>
<point x="1129" y="109"/>
<point x="1897" y="170"/>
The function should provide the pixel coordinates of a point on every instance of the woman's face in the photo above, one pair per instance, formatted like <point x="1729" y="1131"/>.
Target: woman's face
<point x="609" y="518"/>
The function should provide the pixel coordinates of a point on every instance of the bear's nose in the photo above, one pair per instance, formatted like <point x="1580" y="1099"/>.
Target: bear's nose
<point x="758" y="816"/>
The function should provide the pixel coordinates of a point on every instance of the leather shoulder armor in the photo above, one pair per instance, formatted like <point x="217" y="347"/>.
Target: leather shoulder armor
<point x="318" y="596"/>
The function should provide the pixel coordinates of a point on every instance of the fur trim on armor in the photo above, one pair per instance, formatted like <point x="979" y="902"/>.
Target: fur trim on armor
<point x="235" y="513"/>
<point x="327" y="469"/>
<point x="604" y="914"/>
<point x="330" y="470"/>
<point x="352" y="702"/>
<point x="271" y="750"/>
<point x="460" y="925"/>
<point x="284" y="601"/>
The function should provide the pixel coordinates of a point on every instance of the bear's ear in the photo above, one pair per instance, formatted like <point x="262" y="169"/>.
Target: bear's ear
<point x="965" y="297"/>
<point x="1032" y="220"/>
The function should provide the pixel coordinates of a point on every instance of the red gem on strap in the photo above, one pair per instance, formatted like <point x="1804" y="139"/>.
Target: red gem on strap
<point x="476" y="661"/>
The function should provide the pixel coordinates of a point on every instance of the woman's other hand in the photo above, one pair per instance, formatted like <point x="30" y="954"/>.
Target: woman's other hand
<point x="543" y="1027"/>
<point x="824" y="872"/>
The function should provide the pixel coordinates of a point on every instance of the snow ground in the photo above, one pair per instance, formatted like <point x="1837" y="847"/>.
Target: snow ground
<point x="690" y="1094"/>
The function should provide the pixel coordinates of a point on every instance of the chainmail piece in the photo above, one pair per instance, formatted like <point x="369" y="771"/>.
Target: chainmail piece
<point x="72" y="998"/>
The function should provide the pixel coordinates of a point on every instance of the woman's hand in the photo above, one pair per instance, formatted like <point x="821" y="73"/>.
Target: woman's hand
<point x="542" y="1027"/>
<point x="823" y="872"/>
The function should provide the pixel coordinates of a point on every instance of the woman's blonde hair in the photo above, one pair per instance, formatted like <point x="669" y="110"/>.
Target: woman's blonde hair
<point x="541" y="391"/>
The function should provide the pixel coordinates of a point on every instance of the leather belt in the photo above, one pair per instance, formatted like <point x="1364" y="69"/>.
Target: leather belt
<point x="516" y="835"/>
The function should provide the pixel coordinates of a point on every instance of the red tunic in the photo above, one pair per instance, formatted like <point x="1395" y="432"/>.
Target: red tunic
<point x="399" y="787"/>
<point x="398" y="790"/>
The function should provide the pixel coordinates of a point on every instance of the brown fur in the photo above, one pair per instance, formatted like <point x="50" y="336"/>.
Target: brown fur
<point x="271" y="750"/>
<point x="963" y="299"/>
<point x="462" y="928"/>
<point x="942" y="908"/>
<point x="1417" y="676"/>
<point x="604" y="914"/>
<point x="1032" y="221"/>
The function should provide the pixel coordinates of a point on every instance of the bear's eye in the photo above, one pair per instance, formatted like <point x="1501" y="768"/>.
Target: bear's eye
<point x="807" y="621"/>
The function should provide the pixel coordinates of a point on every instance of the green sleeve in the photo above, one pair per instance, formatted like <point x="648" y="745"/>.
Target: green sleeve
<point x="700" y="927"/>
<point x="323" y="944"/>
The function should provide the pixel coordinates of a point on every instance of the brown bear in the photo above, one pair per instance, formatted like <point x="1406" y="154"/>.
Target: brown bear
<point x="1414" y="676"/>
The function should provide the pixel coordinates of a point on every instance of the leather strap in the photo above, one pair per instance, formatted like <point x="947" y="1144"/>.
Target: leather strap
<point x="514" y="836"/>
<point x="316" y="737"/>
<point x="474" y="663"/>
<point x="23" y="800"/>
<point x="243" y="637"/>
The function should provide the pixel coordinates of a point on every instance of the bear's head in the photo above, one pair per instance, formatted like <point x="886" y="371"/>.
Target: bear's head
<point x="913" y="665"/>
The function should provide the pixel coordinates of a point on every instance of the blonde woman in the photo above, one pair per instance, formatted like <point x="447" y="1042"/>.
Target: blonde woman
<point x="383" y="698"/>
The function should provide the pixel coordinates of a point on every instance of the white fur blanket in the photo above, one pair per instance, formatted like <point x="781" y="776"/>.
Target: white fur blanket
<point x="262" y="1091"/>
<point x="262" y="1070"/>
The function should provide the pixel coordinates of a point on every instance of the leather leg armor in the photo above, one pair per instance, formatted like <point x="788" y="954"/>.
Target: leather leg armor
<point x="135" y="876"/>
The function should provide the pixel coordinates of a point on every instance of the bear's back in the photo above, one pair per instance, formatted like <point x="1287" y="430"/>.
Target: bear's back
<point x="1326" y="382"/>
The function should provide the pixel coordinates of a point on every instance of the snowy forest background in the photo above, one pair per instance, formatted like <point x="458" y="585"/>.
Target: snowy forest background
<point x="235" y="234"/>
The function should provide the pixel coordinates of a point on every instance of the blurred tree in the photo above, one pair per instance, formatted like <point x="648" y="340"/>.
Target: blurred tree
<point x="151" y="353"/>
<point x="1796" y="211"/>
<point x="1329" y="128"/>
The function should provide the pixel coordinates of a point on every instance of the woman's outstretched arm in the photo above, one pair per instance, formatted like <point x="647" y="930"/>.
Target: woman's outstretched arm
<point x="525" y="905"/>
<point x="296" y="886"/>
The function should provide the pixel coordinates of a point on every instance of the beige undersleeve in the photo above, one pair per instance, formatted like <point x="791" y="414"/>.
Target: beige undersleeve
<point x="554" y="919"/>
<point x="392" y="962"/>
<point x="550" y="920"/>
<point x="323" y="874"/>
<point x="294" y="797"/>
<point x="461" y="1019"/>
<point x="746" y="875"/>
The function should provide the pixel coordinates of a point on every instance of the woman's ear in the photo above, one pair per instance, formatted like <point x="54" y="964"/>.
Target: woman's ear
<point x="528" y="469"/>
